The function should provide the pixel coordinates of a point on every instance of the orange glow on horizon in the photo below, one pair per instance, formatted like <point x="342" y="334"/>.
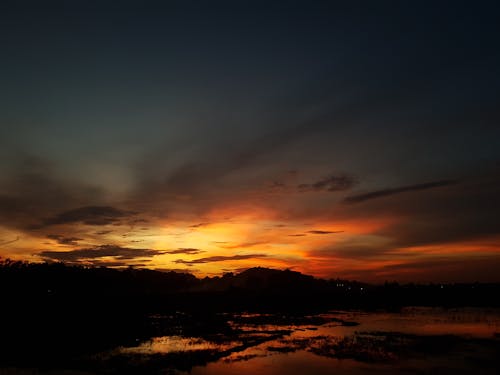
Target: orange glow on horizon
<point x="255" y="239"/>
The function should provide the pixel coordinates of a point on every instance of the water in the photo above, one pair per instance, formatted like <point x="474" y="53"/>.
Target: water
<point x="417" y="341"/>
<point x="414" y="341"/>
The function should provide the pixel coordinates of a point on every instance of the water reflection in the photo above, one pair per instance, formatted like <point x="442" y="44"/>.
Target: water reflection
<point x="174" y="344"/>
<point x="417" y="340"/>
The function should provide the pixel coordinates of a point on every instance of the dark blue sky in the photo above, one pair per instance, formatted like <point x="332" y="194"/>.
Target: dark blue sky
<point x="177" y="110"/>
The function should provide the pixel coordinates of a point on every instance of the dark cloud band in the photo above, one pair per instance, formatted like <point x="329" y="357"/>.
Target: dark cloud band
<point x="90" y="215"/>
<point x="103" y="251"/>
<point x="403" y="189"/>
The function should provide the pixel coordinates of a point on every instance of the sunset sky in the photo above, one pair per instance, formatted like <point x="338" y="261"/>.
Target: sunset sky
<point x="358" y="140"/>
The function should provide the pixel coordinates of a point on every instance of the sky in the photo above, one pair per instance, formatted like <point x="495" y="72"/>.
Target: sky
<point x="354" y="140"/>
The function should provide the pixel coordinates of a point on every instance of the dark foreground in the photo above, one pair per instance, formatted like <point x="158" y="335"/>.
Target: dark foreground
<point x="414" y="340"/>
<point x="59" y="319"/>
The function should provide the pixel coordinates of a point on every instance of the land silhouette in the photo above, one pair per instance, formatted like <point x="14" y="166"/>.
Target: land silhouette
<point x="53" y="313"/>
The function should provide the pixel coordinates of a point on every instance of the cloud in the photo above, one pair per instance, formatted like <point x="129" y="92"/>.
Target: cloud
<point x="90" y="215"/>
<point x="184" y="251"/>
<point x="117" y="263"/>
<point x="241" y="245"/>
<point x="220" y="259"/>
<point x="331" y="183"/>
<point x="177" y="270"/>
<point x="316" y="232"/>
<point x="402" y="189"/>
<point x="8" y="242"/>
<point x="86" y="255"/>
<point x="197" y="178"/>
<point x="324" y="231"/>
<point x="31" y="190"/>
<point x="444" y="269"/>
<point x="64" y="240"/>
<point x="352" y="249"/>
<point x="464" y="211"/>
<point x="199" y="225"/>
<point x="103" y="232"/>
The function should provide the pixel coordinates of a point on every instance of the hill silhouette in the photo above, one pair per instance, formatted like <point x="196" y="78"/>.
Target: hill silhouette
<point x="253" y="289"/>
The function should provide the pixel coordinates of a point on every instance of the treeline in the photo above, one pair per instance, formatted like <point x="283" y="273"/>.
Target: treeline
<point x="257" y="288"/>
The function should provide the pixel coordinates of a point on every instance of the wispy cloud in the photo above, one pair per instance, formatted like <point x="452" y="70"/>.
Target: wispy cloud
<point x="316" y="232"/>
<point x="177" y="270"/>
<point x="103" y="232"/>
<point x="325" y="231"/>
<point x="398" y="190"/>
<point x="198" y="225"/>
<point x="2" y="243"/>
<point x="63" y="240"/>
<point x="241" y="245"/>
<point x="220" y="259"/>
<point x="31" y="190"/>
<point x="331" y="183"/>
<point x="352" y="249"/>
<point x="116" y="263"/>
<point x="184" y="251"/>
